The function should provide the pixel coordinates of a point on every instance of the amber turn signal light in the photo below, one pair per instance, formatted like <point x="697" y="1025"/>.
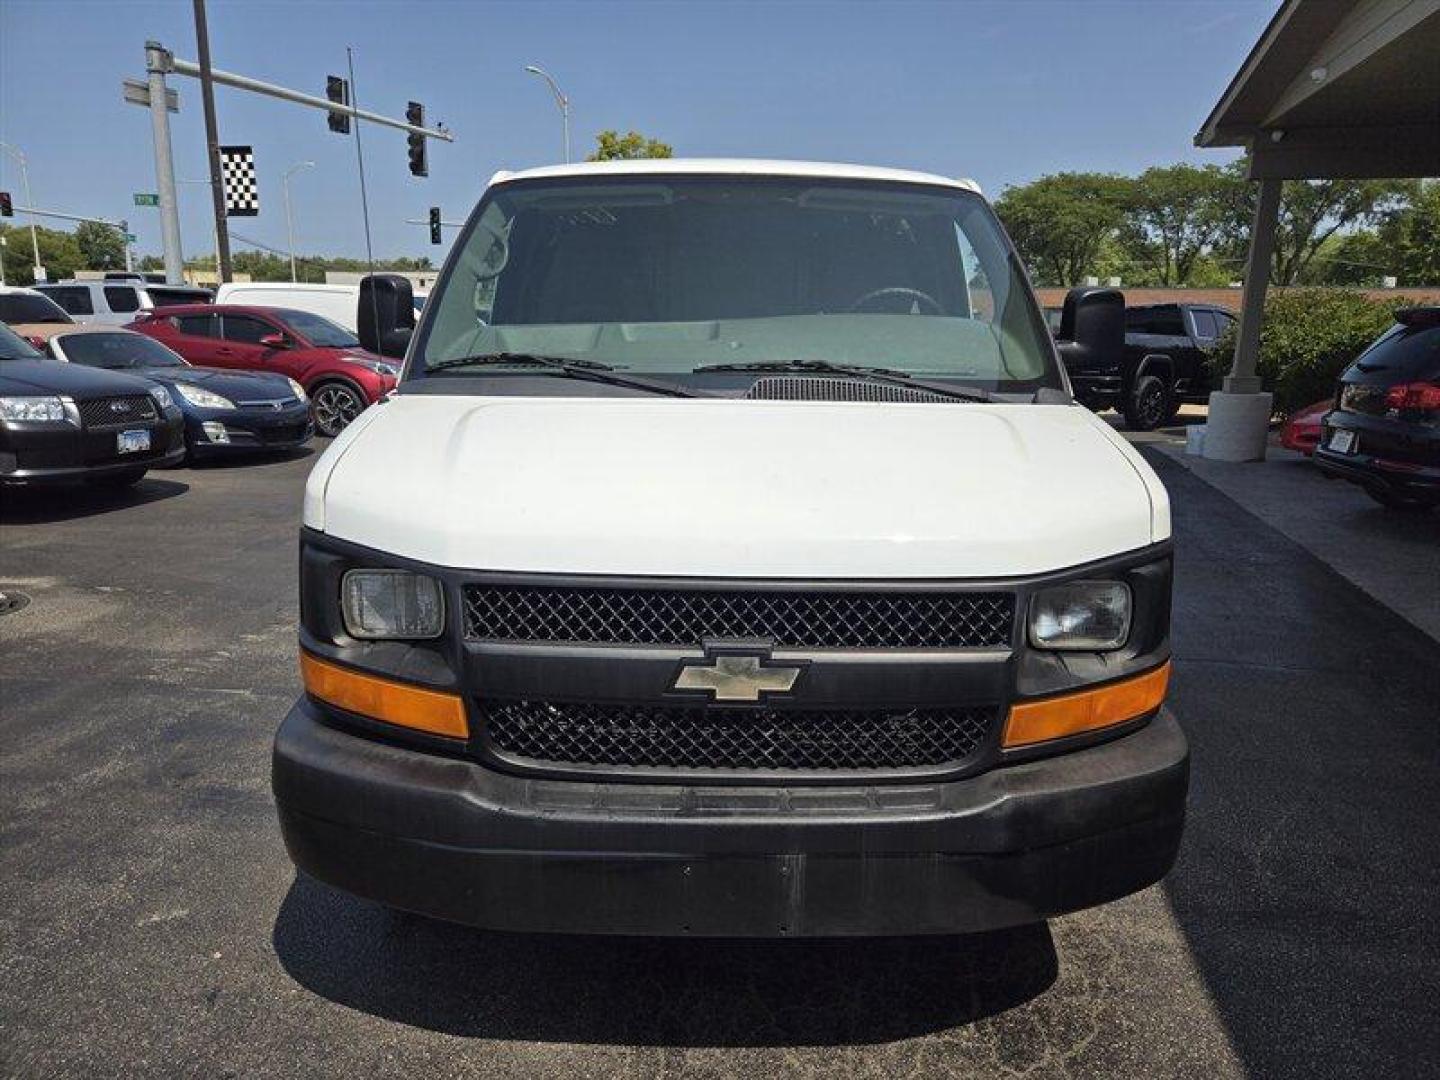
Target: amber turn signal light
<point x="1033" y="722"/>
<point x="381" y="699"/>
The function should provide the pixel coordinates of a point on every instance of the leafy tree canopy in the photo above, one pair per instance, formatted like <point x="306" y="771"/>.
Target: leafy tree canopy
<point x="612" y="146"/>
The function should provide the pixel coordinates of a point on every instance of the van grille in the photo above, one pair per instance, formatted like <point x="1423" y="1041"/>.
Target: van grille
<point x="685" y="618"/>
<point x="696" y="737"/>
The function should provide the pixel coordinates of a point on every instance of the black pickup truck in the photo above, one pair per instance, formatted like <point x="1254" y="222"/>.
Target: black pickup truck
<point x="1161" y="364"/>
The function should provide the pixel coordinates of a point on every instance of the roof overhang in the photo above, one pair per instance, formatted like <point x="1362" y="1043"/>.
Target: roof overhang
<point x="1337" y="88"/>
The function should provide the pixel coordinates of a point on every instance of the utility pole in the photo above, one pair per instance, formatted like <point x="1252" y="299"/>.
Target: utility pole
<point x="212" y="139"/>
<point x="157" y="63"/>
<point x="289" y="219"/>
<point x="25" y="180"/>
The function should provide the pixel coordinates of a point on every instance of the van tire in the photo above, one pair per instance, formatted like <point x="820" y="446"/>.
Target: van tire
<point x="334" y="404"/>
<point x="1147" y="405"/>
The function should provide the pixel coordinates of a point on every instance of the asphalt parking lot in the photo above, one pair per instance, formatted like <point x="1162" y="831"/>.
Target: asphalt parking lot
<point x="150" y="922"/>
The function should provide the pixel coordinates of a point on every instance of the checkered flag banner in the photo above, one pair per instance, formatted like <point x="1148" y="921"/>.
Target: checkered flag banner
<point x="237" y="171"/>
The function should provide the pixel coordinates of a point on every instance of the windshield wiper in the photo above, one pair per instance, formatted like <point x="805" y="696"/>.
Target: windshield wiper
<point x="890" y="376"/>
<point x="573" y="368"/>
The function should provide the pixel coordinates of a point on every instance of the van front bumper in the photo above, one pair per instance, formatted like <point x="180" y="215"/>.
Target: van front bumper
<point x="456" y="840"/>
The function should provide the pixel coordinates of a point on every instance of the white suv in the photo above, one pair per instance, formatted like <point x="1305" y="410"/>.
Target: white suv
<point x="732" y="560"/>
<point x="117" y="302"/>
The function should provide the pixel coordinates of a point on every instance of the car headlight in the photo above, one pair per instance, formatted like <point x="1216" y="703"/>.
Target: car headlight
<point x="162" y="397"/>
<point x="32" y="408"/>
<point x="384" y="369"/>
<point x="202" y="398"/>
<point x="1081" y="615"/>
<point x="393" y="604"/>
<point x="297" y="390"/>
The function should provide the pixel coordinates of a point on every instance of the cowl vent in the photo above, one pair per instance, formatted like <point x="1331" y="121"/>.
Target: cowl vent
<point x="833" y="388"/>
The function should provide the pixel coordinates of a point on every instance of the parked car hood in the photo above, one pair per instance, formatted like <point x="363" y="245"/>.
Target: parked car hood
<point x="736" y="488"/>
<point x="56" y="377"/>
<point x="247" y="385"/>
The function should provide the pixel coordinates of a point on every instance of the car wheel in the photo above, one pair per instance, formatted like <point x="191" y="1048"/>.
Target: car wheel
<point x="1391" y="500"/>
<point x="335" y="405"/>
<point x="124" y="478"/>
<point x="1147" y="405"/>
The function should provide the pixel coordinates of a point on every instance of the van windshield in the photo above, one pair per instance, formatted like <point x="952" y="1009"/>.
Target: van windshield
<point x="670" y="274"/>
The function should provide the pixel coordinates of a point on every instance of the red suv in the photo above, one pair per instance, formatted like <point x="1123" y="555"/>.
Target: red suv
<point x="340" y="377"/>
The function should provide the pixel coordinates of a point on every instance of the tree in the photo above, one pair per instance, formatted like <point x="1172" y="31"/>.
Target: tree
<point x="612" y="146"/>
<point x="1061" y="223"/>
<point x="102" y="246"/>
<point x="1409" y="237"/>
<point x="59" y="254"/>
<point x="1311" y="212"/>
<point x="1176" y="214"/>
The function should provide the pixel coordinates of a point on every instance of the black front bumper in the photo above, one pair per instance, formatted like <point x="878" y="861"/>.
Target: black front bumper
<point x="34" y="455"/>
<point x="456" y="840"/>
<point x="249" y="430"/>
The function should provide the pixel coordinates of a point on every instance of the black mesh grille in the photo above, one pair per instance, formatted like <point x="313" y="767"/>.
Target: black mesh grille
<point x="821" y="388"/>
<point x="695" y="737"/>
<point x="679" y="617"/>
<point x="117" y="411"/>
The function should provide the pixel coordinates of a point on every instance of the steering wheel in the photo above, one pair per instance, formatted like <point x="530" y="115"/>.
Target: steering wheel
<point x="899" y="290"/>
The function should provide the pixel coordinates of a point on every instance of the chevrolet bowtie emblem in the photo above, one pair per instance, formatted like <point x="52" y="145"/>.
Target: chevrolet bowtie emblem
<point x="728" y="677"/>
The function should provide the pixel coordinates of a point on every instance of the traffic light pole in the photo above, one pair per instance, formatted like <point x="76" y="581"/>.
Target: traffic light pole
<point x="157" y="63"/>
<point x="212" y="141"/>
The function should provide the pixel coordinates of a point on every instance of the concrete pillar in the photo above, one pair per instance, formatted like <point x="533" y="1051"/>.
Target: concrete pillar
<point x="1239" y="419"/>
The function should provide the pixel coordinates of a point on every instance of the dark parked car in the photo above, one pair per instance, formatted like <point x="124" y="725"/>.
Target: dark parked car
<point x="1164" y="363"/>
<point x="341" y="378"/>
<point x="225" y="411"/>
<point x="1384" y="432"/>
<point x="60" y="422"/>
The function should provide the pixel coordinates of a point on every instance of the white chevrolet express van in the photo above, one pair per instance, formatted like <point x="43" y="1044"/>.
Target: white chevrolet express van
<point x="732" y="560"/>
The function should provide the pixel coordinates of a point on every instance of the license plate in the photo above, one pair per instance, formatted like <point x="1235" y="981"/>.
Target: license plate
<point x="1342" y="441"/>
<point x="130" y="442"/>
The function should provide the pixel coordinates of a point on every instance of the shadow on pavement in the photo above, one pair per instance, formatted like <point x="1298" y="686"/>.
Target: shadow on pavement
<point x="1307" y="882"/>
<point x="35" y="506"/>
<point x="627" y="991"/>
<point x="252" y="460"/>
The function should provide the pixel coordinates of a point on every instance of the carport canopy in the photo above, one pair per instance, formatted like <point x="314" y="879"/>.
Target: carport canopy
<point x="1333" y="88"/>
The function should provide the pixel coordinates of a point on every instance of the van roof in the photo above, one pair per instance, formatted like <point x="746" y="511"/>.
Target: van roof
<point x="735" y="167"/>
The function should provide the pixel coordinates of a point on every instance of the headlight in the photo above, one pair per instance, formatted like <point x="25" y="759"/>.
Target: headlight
<point x="32" y="408"/>
<point x="385" y="369"/>
<point x="391" y="604"/>
<point x="162" y="397"/>
<point x="297" y="389"/>
<point x="201" y="398"/>
<point x="1083" y="615"/>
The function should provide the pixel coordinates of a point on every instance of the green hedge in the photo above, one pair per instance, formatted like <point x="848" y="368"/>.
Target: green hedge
<point x="1309" y="336"/>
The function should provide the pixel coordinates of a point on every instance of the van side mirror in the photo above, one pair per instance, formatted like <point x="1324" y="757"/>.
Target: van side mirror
<point x="385" y="315"/>
<point x="1092" y="327"/>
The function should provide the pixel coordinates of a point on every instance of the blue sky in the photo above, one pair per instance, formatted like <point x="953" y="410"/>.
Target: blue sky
<point x="1000" y="92"/>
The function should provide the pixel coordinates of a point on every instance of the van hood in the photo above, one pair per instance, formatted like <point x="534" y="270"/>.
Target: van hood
<point x="724" y="488"/>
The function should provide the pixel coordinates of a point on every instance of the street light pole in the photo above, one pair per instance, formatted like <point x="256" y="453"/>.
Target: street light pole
<point x="560" y="99"/>
<point x="29" y="199"/>
<point x="289" y="221"/>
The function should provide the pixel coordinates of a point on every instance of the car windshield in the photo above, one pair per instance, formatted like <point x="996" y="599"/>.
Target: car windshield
<point x="318" y="330"/>
<point x="669" y="274"/>
<point x="117" y="350"/>
<point x="31" y="308"/>
<point x="14" y="347"/>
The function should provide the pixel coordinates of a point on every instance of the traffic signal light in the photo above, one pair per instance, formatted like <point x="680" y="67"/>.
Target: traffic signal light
<point x="435" y="224"/>
<point x="415" y="114"/>
<point x="7" y="208"/>
<point x="338" y="91"/>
